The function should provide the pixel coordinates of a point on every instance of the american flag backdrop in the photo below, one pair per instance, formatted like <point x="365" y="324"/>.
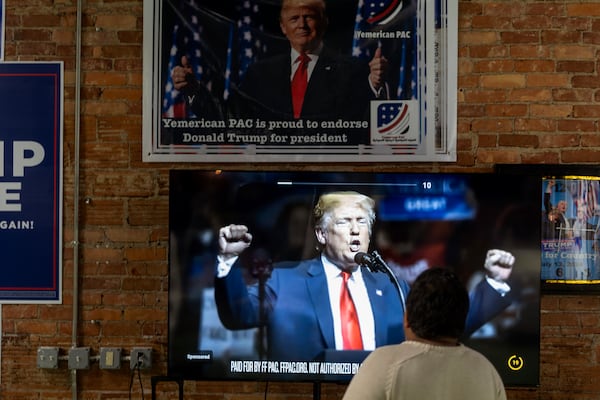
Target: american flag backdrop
<point x="586" y="196"/>
<point x="207" y="39"/>
<point x="220" y="46"/>
<point x="251" y="44"/>
<point x="191" y="36"/>
<point x="173" y="102"/>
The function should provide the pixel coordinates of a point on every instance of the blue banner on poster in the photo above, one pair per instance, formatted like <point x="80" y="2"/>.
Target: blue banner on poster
<point x="31" y="109"/>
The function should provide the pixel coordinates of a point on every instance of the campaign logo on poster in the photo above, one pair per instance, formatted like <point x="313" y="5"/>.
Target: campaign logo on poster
<point x="382" y="11"/>
<point x="395" y="122"/>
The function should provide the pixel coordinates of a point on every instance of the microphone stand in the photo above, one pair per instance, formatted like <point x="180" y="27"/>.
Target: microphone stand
<point x="381" y="266"/>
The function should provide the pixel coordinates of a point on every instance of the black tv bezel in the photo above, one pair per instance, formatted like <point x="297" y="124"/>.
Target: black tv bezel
<point x="183" y="372"/>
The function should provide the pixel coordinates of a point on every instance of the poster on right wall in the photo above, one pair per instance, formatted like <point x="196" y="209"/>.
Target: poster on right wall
<point x="570" y="230"/>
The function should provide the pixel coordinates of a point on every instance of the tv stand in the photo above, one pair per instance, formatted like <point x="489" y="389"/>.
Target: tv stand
<point x="316" y="390"/>
<point x="157" y="379"/>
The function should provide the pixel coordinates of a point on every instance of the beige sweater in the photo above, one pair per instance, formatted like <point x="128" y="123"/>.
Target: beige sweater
<point x="418" y="371"/>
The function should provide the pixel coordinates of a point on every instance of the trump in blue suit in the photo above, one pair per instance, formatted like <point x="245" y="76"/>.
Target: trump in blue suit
<point x="299" y="308"/>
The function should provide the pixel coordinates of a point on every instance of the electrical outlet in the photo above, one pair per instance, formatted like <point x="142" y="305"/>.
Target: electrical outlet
<point x="47" y="357"/>
<point x="110" y="358"/>
<point x="140" y="357"/>
<point x="79" y="358"/>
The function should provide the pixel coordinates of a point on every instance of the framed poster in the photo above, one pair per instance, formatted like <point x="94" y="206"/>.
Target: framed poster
<point x="571" y="231"/>
<point x="31" y="165"/>
<point x="569" y="215"/>
<point x="219" y="81"/>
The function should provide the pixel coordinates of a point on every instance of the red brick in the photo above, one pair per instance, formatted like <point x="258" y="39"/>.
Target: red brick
<point x="523" y="141"/>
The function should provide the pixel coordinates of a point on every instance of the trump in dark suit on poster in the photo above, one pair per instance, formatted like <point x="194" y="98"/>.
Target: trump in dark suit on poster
<point x="304" y="304"/>
<point x="337" y="89"/>
<point x="311" y="81"/>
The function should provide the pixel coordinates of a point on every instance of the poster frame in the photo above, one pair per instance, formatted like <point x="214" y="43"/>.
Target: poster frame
<point x="433" y="139"/>
<point x="565" y="247"/>
<point x="31" y="202"/>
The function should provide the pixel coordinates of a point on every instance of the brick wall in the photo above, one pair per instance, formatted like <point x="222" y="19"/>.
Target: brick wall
<point x="529" y="91"/>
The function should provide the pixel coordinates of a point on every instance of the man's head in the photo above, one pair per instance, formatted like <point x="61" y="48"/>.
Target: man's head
<point x="343" y="225"/>
<point x="437" y="305"/>
<point x="304" y="23"/>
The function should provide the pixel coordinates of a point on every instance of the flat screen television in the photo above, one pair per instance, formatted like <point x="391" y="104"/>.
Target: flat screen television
<point x="423" y="220"/>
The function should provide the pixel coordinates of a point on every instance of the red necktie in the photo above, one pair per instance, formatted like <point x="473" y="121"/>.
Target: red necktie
<point x="299" y="82"/>
<point x="350" y="326"/>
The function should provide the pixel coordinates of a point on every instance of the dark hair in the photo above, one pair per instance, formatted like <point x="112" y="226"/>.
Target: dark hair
<point x="437" y="305"/>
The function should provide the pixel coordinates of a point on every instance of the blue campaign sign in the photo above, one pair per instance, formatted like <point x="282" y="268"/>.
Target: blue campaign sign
<point x="31" y="120"/>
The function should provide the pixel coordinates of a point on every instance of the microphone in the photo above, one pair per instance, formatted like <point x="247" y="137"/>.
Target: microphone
<point x="365" y="259"/>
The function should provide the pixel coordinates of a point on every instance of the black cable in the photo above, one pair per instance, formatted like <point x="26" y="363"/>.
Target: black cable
<point x="131" y="381"/>
<point x="138" y="369"/>
<point x="140" y="380"/>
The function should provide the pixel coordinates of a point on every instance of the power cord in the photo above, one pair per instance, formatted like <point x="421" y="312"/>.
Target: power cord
<point x="137" y="368"/>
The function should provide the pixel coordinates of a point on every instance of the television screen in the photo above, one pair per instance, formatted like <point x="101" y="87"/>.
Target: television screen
<point x="262" y="327"/>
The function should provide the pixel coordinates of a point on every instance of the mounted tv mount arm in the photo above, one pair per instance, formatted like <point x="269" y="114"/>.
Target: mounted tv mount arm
<point x="376" y="263"/>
